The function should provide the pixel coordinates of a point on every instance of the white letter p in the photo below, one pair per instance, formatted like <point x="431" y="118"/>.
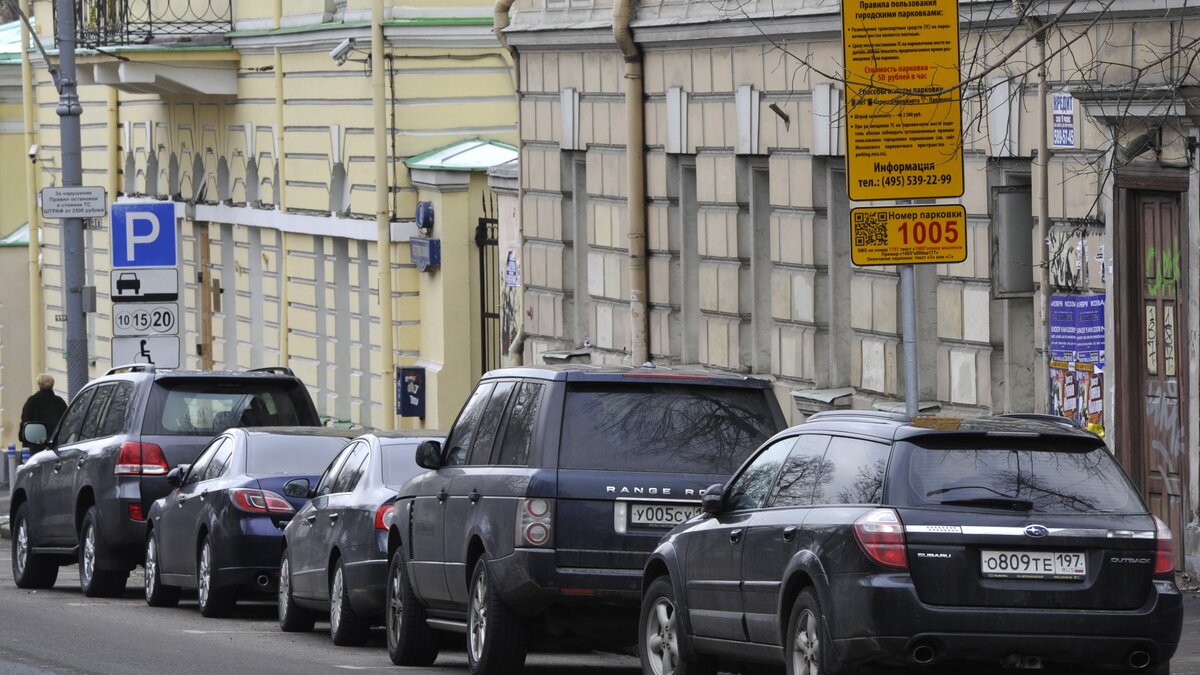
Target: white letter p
<point x="131" y="238"/>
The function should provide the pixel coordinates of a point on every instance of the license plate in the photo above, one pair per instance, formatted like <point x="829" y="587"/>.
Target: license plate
<point x="661" y="515"/>
<point x="1033" y="565"/>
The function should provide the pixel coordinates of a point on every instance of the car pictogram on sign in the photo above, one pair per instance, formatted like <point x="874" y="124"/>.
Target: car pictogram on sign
<point x="128" y="281"/>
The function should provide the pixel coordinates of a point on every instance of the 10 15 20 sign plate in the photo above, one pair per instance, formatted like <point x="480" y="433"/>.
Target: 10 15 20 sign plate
<point x="908" y="235"/>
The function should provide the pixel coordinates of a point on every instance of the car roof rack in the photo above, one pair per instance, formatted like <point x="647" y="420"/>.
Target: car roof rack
<point x="133" y="368"/>
<point x="861" y="415"/>
<point x="1040" y="417"/>
<point x="273" y="370"/>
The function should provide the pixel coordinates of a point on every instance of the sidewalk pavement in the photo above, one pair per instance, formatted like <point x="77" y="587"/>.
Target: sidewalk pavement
<point x="4" y="502"/>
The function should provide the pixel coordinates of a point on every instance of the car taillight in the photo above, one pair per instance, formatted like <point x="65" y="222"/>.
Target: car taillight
<point x="535" y="523"/>
<point x="881" y="536"/>
<point x="1164" y="557"/>
<point x="381" y="515"/>
<point x="141" y="459"/>
<point x="135" y="512"/>
<point x="259" y="501"/>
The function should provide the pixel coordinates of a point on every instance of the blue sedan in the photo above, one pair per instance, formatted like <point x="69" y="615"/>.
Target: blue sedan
<point x="220" y="530"/>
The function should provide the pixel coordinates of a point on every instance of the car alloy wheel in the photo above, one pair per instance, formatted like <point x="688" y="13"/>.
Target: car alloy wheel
<point x="395" y="603"/>
<point x="88" y="568"/>
<point x="662" y="637"/>
<point x="285" y="587"/>
<point x="151" y="566"/>
<point x="335" y="601"/>
<point x="477" y="620"/>
<point x="203" y="582"/>
<point x="806" y="653"/>
<point x="22" y="540"/>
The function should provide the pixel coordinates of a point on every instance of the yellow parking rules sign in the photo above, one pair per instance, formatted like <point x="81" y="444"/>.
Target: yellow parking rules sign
<point x="903" y="105"/>
<point x="908" y="235"/>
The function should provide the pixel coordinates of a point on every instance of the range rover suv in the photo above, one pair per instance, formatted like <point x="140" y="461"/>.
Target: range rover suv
<point x="551" y="489"/>
<point x="85" y="497"/>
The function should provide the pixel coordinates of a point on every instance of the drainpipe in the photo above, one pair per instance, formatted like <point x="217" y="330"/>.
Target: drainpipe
<point x="1043" y="207"/>
<point x="285" y="324"/>
<point x="278" y="21"/>
<point x="37" y="355"/>
<point x="635" y="114"/>
<point x="383" y="217"/>
<point x="500" y="21"/>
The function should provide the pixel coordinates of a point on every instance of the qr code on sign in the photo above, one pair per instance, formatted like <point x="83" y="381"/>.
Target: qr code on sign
<point x="870" y="229"/>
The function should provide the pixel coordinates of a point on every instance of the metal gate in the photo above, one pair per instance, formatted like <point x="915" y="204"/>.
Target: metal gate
<point x="487" y="239"/>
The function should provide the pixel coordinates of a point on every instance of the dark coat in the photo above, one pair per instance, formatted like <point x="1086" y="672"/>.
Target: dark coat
<point x="45" y="407"/>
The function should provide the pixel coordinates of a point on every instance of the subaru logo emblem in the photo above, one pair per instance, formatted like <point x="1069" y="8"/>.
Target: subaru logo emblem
<point x="1036" y="531"/>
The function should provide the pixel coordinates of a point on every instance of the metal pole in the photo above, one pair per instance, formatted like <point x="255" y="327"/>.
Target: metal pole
<point x="1043" y="176"/>
<point x="908" y="316"/>
<point x="69" y="111"/>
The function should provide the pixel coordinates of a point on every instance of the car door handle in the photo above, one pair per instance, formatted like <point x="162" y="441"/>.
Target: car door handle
<point x="79" y="465"/>
<point x="443" y="495"/>
<point x="333" y="517"/>
<point x="789" y="533"/>
<point x="474" y="496"/>
<point x="311" y="519"/>
<point x="735" y="536"/>
<point x="57" y="467"/>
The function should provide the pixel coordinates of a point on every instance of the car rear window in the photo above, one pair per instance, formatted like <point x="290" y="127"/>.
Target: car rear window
<point x="291" y="455"/>
<point x="1052" y="480"/>
<point x="208" y="408"/>
<point x="663" y="427"/>
<point x="399" y="462"/>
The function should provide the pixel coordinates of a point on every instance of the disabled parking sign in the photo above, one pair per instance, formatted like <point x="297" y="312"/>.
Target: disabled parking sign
<point x="144" y="235"/>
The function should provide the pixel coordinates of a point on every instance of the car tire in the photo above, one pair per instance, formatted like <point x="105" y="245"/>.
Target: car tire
<point x="410" y="641"/>
<point x="214" y="602"/>
<point x="30" y="570"/>
<point x="158" y="594"/>
<point x="93" y="581"/>
<point x="809" y="649"/>
<point x="345" y="627"/>
<point x="659" y="635"/>
<point x="497" y="638"/>
<point x="292" y="617"/>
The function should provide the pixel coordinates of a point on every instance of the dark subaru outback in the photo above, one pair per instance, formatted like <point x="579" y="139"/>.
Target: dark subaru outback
<point x="552" y="488"/>
<point x="1011" y="542"/>
<point x="85" y="497"/>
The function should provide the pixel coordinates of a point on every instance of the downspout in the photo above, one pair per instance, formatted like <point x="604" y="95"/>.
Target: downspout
<point x="500" y="21"/>
<point x="1043" y="208"/>
<point x="383" y="219"/>
<point x="285" y="324"/>
<point x="635" y="115"/>
<point x="278" y="20"/>
<point x="37" y="362"/>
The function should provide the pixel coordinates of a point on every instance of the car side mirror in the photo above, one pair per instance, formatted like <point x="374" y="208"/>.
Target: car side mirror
<point x="713" y="500"/>
<point x="175" y="476"/>
<point x="429" y="455"/>
<point x="298" y="488"/>
<point x="35" y="433"/>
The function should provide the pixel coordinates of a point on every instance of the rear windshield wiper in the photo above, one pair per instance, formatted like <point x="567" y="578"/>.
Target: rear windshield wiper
<point x="992" y="502"/>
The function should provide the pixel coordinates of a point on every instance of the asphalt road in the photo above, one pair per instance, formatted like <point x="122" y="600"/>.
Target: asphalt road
<point x="60" y="631"/>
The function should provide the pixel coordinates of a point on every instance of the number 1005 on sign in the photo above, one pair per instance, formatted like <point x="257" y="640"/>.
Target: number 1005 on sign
<point x="908" y="235"/>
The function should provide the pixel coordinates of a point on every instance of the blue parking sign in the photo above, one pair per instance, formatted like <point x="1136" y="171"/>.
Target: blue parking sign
<point x="144" y="235"/>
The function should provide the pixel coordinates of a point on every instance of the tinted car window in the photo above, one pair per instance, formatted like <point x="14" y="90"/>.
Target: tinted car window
<point x="852" y="472"/>
<point x="220" y="461"/>
<point x="1061" y="479"/>
<point x="325" y="485"/>
<point x="750" y="489"/>
<point x="210" y="408"/>
<point x="118" y="407"/>
<point x="72" y="422"/>
<point x="95" y="417"/>
<point x="663" y="427"/>
<point x="196" y="472"/>
<point x="399" y="462"/>
<point x="352" y="470"/>
<point x="459" y="443"/>
<point x="518" y="434"/>
<point x="804" y="466"/>
<point x="489" y="424"/>
<point x="291" y="455"/>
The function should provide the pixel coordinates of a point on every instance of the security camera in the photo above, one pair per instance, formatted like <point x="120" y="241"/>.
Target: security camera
<point x="340" y="53"/>
<point x="33" y="152"/>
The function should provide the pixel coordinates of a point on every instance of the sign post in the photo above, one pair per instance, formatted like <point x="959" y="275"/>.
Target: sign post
<point x="145" y="285"/>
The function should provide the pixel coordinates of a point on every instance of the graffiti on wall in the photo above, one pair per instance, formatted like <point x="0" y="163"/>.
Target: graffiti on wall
<point x="1162" y="272"/>
<point x="1162" y="415"/>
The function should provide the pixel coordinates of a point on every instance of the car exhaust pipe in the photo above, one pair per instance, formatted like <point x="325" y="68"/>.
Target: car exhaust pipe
<point x="924" y="654"/>
<point x="262" y="580"/>
<point x="1139" y="659"/>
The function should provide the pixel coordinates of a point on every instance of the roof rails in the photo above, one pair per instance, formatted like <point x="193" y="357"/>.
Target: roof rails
<point x="274" y="370"/>
<point x="1039" y="417"/>
<point x="133" y="368"/>
<point x="860" y="415"/>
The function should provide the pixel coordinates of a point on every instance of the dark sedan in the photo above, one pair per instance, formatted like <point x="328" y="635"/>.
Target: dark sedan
<point x="336" y="553"/>
<point x="855" y="539"/>
<point x="220" y="530"/>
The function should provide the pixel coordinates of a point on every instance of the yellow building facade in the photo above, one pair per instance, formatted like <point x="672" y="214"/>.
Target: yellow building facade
<point x="258" y="120"/>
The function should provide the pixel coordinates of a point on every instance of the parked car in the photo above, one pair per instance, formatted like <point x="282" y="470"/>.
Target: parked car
<point x="868" y="538"/>
<point x="85" y="497"/>
<point x="551" y="490"/>
<point x="220" y="531"/>
<point x="335" y="556"/>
